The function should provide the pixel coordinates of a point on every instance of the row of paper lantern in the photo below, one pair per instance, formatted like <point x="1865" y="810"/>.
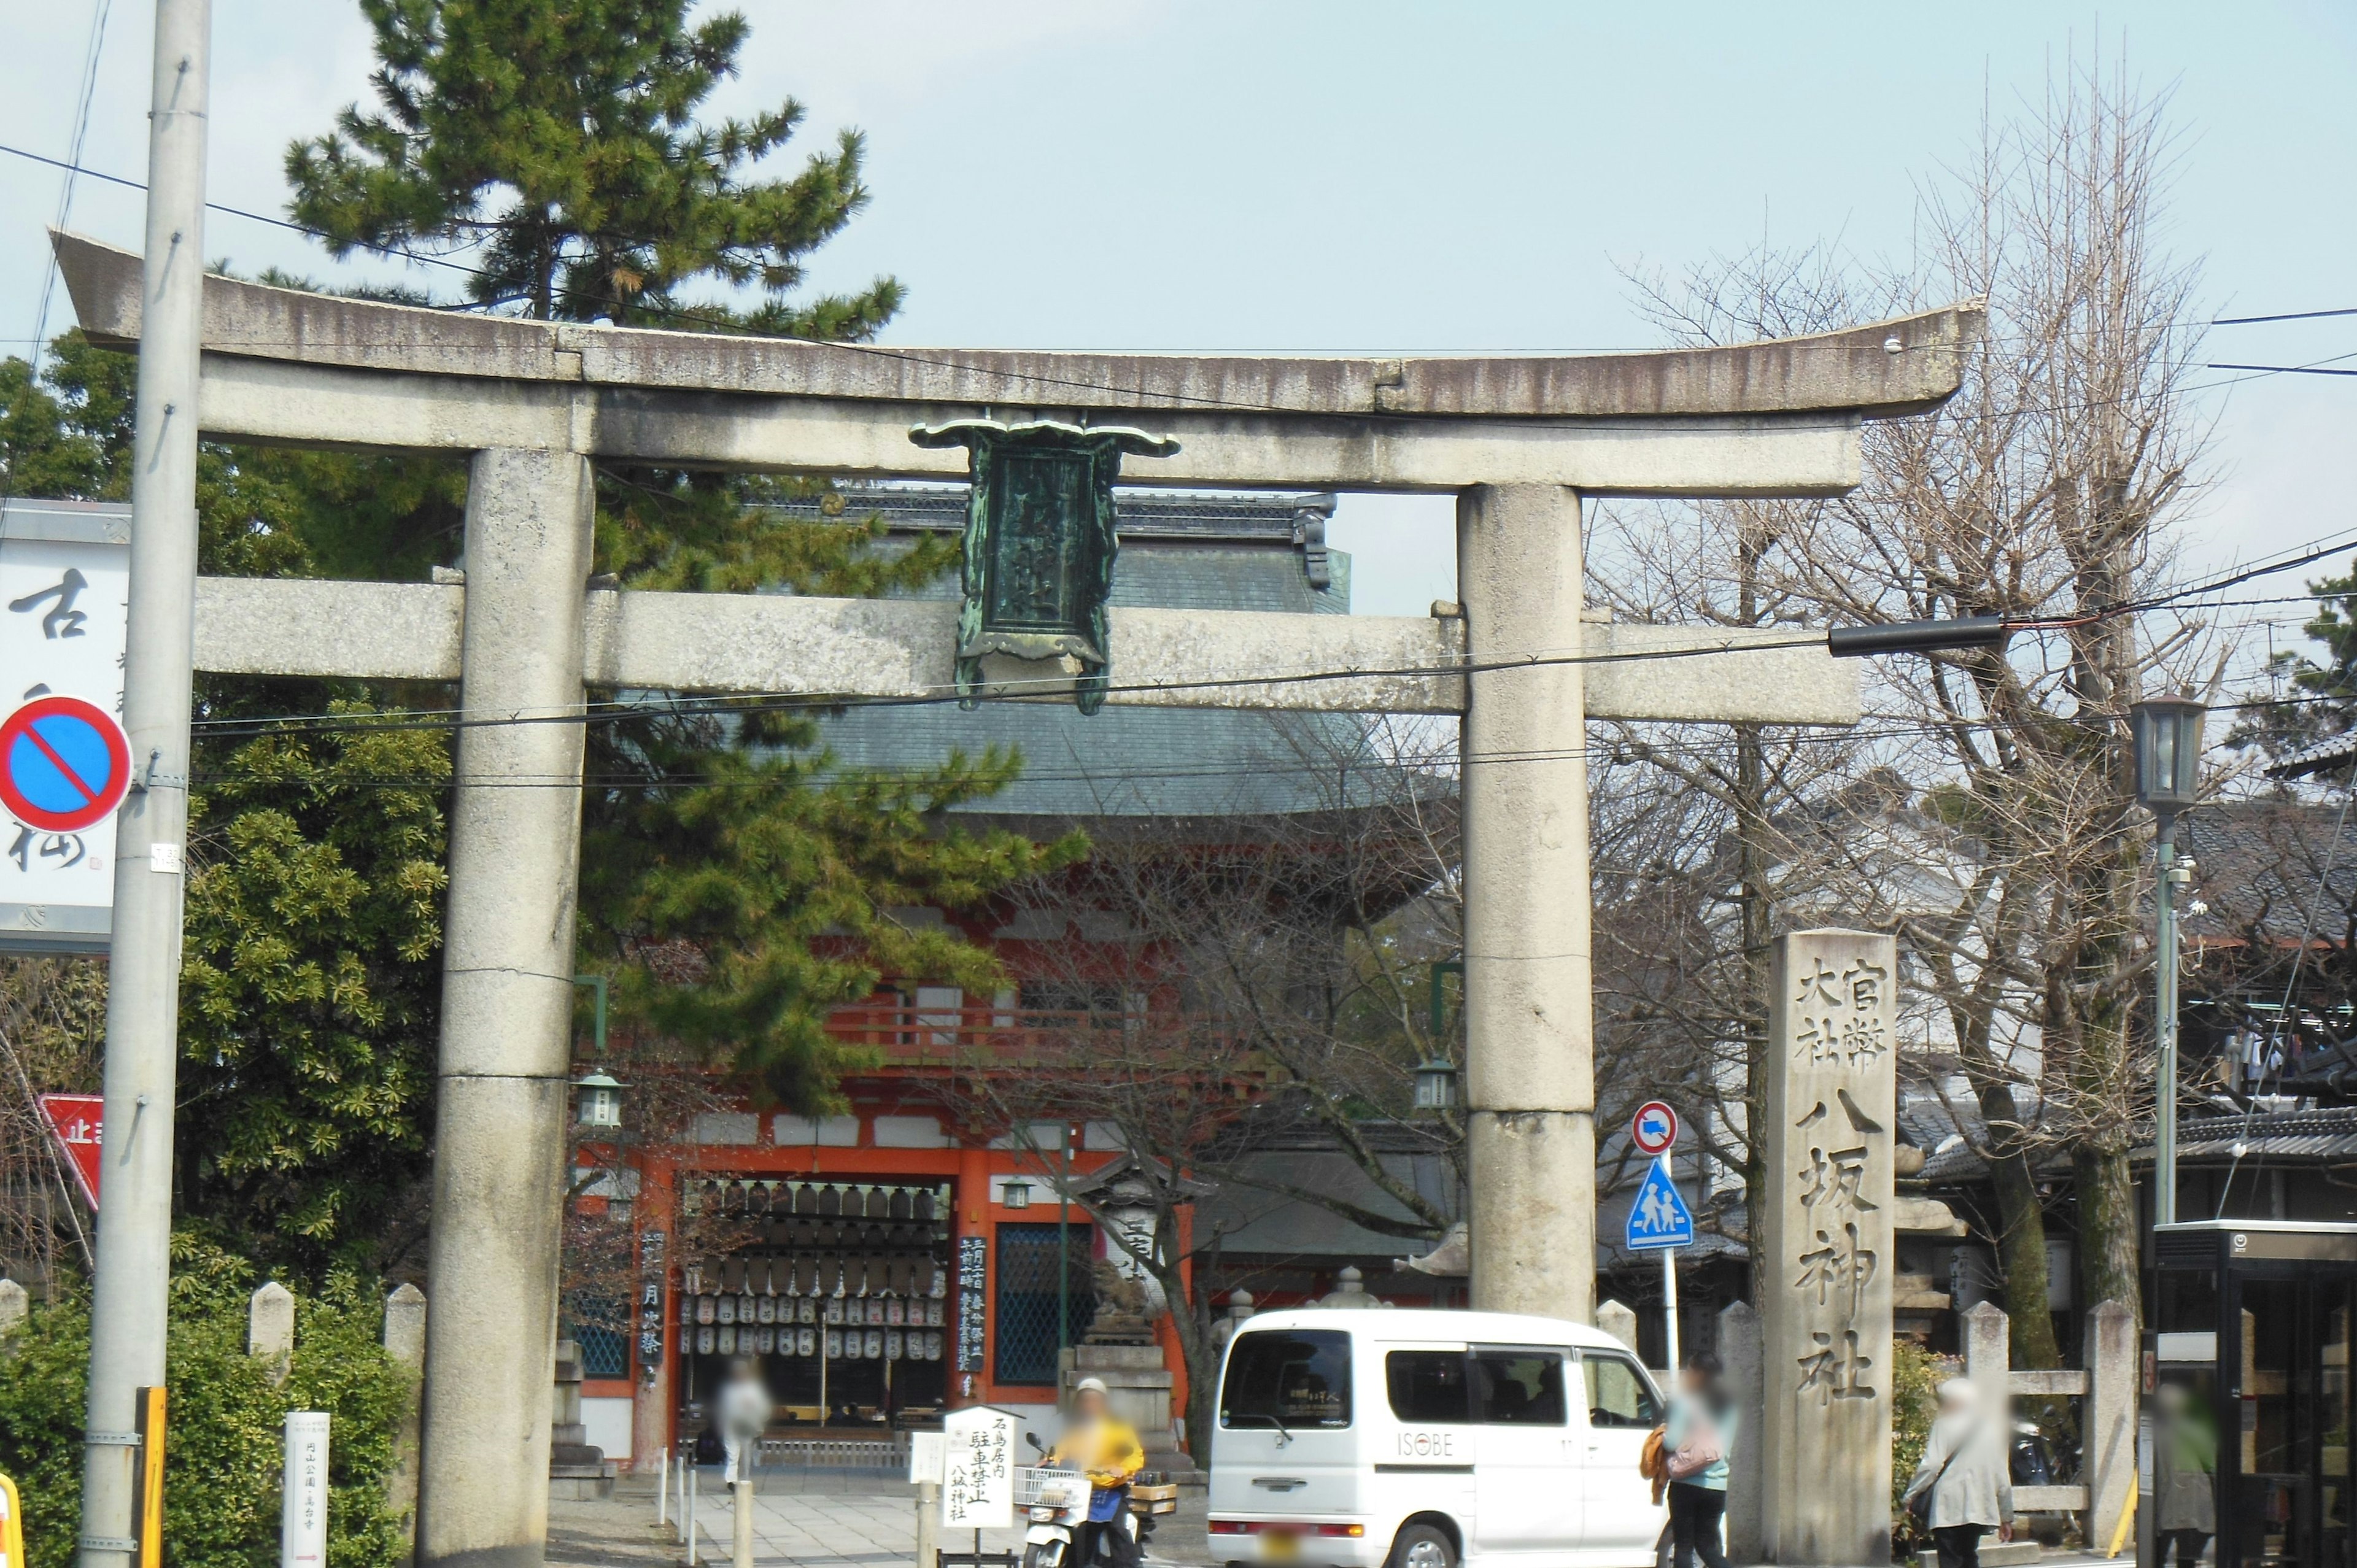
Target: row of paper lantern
<point x="876" y="1311"/>
<point x="817" y="1199"/>
<point x="840" y="1343"/>
<point x="822" y="1273"/>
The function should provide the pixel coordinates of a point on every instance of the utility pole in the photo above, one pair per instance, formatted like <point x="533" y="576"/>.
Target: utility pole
<point x="2164" y="968"/>
<point x="135" y="1230"/>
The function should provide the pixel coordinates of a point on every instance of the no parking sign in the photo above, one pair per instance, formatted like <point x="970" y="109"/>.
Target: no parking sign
<point x="64" y="764"/>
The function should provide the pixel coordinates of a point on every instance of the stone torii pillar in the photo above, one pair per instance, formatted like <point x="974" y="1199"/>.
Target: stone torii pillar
<point x="1518" y="439"/>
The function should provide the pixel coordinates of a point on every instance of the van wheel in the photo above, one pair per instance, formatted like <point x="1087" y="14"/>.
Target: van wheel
<point x="1421" y="1546"/>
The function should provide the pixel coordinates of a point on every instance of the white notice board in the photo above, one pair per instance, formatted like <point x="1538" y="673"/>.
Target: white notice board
<point x="65" y="587"/>
<point x="978" y="1480"/>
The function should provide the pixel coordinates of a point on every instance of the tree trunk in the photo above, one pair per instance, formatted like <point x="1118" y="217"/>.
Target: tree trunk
<point x="2109" y="1265"/>
<point x="2021" y="1243"/>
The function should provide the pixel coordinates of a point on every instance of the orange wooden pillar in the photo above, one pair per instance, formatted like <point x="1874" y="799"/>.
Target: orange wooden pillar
<point x="654" y="1326"/>
<point x="969" y="1301"/>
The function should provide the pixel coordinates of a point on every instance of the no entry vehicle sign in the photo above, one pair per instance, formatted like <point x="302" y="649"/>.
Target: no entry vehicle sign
<point x="64" y="764"/>
<point x="1654" y="1127"/>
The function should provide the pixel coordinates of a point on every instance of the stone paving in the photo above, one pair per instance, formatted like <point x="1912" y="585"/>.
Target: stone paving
<point x="813" y="1517"/>
<point x="819" y="1518"/>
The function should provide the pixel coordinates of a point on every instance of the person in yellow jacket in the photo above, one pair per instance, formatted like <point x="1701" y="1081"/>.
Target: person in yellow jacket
<point x="1103" y="1447"/>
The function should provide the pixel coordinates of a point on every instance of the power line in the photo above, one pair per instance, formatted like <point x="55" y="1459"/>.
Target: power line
<point x="2285" y="369"/>
<point x="906" y="356"/>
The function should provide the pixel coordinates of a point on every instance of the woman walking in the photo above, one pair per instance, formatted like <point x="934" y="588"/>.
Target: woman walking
<point x="1695" y="1441"/>
<point x="1965" y="1484"/>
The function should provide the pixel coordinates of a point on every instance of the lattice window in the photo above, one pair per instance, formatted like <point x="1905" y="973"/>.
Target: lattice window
<point x="1023" y="1324"/>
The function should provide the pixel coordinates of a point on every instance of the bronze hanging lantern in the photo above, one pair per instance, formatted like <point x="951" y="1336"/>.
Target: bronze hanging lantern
<point x="1040" y="543"/>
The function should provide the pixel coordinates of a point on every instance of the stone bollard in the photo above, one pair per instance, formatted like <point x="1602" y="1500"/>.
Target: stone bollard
<point x="1619" y="1322"/>
<point x="404" y="1344"/>
<point x="13" y="1308"/>
<point x="269" y="1328"/>
<point x="1989" y="1361"/>
<point x="1738" y="1347"/>
<point x="2110" y="1441"/>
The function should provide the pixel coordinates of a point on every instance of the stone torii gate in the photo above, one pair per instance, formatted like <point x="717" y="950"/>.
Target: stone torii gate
<point x="1518" y="439"/>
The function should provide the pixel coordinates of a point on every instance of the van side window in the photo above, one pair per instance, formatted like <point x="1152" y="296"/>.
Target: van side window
<point x="1616" y="1392"/>
<point x="1518" y="1388"/>
<point x="1287" y="1378"/>
<point x="1427" y="1385"/>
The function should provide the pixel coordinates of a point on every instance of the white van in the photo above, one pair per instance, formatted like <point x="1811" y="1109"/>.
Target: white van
<point x="1422" y="1439"/>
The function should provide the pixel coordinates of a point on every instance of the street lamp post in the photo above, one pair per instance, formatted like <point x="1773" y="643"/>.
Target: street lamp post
<point x="2167" y="732"/>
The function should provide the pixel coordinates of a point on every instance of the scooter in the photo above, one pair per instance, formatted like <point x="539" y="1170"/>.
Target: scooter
<point x="1055" y="1502"/>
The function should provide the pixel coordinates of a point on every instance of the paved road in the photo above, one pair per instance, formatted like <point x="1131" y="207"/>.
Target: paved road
<point x="801" y="1520"/>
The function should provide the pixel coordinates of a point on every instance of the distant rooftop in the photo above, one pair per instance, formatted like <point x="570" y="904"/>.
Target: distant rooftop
<point x="1228" y="551"/>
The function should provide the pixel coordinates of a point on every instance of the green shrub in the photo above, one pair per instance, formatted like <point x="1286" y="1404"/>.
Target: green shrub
<point x="225" y="1443"/>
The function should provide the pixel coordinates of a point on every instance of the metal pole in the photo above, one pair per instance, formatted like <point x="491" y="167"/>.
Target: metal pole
<point x="1063" y="1254"/>
<point x="2164" y="1127"/>
<point x="741" y="1505"/>
<point x="1670" y="1308"/>
<point x="133" y="1265"/>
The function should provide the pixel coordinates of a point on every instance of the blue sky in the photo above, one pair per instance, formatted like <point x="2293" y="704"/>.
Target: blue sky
<point x="1361" y="177"/>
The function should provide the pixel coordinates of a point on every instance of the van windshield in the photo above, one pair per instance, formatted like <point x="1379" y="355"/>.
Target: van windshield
<point x="1296" y="1379"/>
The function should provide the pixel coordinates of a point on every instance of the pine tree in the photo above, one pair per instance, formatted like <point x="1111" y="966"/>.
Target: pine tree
<point x="556" y="147"/>
<point x="2323" y="693"/>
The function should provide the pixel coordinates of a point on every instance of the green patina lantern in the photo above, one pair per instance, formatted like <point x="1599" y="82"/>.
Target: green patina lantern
<point x="1040" y="543"/>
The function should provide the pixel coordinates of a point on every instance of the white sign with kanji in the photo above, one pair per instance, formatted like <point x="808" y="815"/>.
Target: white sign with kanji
<point x="65" y="587"/>
<point x="978" y="1476"/>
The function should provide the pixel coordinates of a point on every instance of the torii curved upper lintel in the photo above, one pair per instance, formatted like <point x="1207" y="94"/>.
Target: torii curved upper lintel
<point x="1878" y="370"/>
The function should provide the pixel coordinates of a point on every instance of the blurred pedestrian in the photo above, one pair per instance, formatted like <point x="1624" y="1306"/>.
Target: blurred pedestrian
<point x="1695" y="1441"/>
<point x="1963" y="1486"/>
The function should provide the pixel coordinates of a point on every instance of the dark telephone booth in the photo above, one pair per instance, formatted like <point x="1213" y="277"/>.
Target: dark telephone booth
<point x="2248" y="1406"/>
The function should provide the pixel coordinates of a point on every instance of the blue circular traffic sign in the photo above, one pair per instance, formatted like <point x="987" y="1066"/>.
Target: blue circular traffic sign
<point x="64" y="764"/>
<point x="1654" y="1127"/>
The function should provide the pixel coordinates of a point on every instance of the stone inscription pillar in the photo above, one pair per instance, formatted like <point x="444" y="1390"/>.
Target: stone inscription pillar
<point x="1822" y="1265"/>
<point x="506" y="1015"/>
<point x="1529" y="1012"/>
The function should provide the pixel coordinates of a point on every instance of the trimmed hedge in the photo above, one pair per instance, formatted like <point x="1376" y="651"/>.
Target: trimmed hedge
<point x="226" y="1443"/>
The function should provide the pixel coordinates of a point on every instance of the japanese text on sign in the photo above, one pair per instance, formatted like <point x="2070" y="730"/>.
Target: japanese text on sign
<point x="978" y="1473"/>
<point x="972" y="1283"/>
<point x="64" y="591"/>
<point x="651" y="1303"/>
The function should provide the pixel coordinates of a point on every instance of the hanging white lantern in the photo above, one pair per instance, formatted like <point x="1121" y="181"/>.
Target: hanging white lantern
<point x="707" y="1309"/>
<point x="895" y="1313"/>
<point x="726" y="1311"/>
<point x="892" y="1344"/>
<point x="875" y="1344"/>
<point x="833" y="1344"/>
<point x="705" y="1339"/>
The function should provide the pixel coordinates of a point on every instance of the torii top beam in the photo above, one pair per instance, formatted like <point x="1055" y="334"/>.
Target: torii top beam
<point x="1773" y="418"/>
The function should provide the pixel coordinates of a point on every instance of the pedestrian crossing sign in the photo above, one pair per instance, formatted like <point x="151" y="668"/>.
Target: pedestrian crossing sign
<point x="1658" y="1216"/>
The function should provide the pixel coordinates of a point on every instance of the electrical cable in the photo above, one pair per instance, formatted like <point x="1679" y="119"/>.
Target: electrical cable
<point x="906" y="356"/>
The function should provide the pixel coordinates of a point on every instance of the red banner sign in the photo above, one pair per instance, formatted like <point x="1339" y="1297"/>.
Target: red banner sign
<point x="73" y="1120"/>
